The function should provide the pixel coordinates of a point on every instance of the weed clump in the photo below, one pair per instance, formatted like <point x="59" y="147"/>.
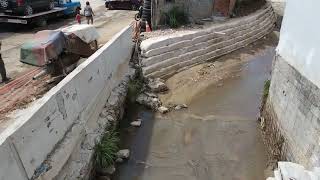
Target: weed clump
<point x="106" y="150"/>
<point x="266" y="89"/>
<point x="176" y="17"/>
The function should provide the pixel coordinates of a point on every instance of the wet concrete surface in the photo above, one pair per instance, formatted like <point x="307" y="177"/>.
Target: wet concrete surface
<point x="217" y="137"/>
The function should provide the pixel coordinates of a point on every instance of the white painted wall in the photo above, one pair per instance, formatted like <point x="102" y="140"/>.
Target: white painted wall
<point x="300" y="38"/>
<point x="37" y="131"/>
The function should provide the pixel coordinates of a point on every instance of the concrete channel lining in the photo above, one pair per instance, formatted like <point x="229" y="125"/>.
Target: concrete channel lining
<point x="162" y="56"/>
<point x="34" y="133"/>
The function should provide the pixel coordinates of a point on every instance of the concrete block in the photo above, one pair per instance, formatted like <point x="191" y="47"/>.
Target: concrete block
<point x="158" y="58"/>
<point x="156" y="42"/>
<point x="164" y="49"/>
<point x="239" y="33"/>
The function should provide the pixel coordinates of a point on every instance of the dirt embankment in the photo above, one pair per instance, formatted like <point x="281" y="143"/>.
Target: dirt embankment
<point x="20" y="92"/>
<point x="189" y="83"/>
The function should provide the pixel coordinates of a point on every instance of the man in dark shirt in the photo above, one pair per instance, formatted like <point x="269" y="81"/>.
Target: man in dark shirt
<point x="3" y="69"/>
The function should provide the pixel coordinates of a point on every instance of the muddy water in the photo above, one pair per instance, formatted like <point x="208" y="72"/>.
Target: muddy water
<point x="217" y="137"/>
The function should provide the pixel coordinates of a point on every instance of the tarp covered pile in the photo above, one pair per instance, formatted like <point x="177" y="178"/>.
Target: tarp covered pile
<point x="46" y="46"/>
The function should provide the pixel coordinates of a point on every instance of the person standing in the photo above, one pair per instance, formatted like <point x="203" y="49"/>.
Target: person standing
<point x="78" y="15"/>
<point x="88" y="13"/>
<point x="3" y="69"/>
<point x="78" y="18"/>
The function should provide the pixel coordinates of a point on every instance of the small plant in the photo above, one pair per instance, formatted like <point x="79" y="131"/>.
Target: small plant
<point x="106" y="150"/>
<point x="176" y="17"/>
<point x="266" y="89"/>
<point x="134" y="88"/>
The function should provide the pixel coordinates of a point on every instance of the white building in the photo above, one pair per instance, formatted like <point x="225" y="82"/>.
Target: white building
<point x="293" y="106"/>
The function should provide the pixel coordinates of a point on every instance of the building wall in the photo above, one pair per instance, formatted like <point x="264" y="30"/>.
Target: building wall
<point x="293" y="106"/>
<point x="299" y="41"/>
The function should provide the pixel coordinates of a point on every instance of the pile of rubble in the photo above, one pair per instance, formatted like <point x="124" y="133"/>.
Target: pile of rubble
<point x="150" y="99"/>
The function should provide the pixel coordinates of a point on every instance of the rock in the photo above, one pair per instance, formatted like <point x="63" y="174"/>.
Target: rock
<point x="136" y="123"/>
<point x="119" y="160"/>
<point x="110" y="170"/>
<point x="157" y="86"/>
<point x="124" y="153"/>
<point x="184" y="106"/>
<point x="151" y="95"/>
<point x="106" y="171"/>
<point x="163" y="109"/>
<point x="262" y="124"/>
<point x="110" y="118"/>
<point x="104" y="178"/>
<point x="180" y="106"/>
<point x="104" y="113"/>
<point x="151" y="102"/>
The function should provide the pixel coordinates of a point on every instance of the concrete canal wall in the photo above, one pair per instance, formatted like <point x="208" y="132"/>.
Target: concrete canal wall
<point x="39" y="140"/>
<point x="293" y="108"/>
<point x="164" y="56"/>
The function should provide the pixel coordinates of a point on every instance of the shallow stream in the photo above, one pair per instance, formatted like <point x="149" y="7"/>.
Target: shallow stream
<point x="217" y="137"/>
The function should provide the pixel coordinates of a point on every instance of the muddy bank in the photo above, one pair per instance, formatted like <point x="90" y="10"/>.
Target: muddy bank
<point x="189" y="83"/>
<point x="218" y="136"/>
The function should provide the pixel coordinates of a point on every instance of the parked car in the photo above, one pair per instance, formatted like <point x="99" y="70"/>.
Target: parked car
<point x="69" y="4"/>
<point x="25" y="7"/>
<point x="123" y="4"/>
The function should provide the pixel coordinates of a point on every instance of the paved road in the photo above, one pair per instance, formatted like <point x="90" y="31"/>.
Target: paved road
<point x="107" y="22"/>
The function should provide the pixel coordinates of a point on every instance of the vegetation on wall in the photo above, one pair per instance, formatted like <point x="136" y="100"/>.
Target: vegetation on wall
<point x="176" y="17"/>
<point x="266" y="89"/>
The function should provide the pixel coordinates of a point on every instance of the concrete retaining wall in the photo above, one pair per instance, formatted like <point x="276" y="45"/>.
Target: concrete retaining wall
<point x="292" y="113"/>
<point x="39" y="140"/>
<point x="164" y="56"/>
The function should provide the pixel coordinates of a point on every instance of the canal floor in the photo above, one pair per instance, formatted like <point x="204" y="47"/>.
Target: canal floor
<point x="216" y="138"/>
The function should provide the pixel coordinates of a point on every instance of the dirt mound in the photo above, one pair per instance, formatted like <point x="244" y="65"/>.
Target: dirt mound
<point x="23" y="90"/>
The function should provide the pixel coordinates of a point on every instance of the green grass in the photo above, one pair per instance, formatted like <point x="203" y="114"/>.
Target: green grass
<point x="266" y="89"/>
<point x="106" y="150"/>
<point x="134" y="88"/>
<point x="176" y="17"/>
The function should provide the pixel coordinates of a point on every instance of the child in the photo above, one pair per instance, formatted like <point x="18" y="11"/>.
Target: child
<point x="88" y="13"/>
<point x="78" y="16"/>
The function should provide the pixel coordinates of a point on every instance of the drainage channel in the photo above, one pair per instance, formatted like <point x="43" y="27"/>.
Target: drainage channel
<point x="217" y="137"/>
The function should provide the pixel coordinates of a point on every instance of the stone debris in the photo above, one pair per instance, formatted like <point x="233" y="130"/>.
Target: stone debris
<point x="136" y="123"/>
<point x="289" y="170"/>
<point x="180" y="106"/>
<point x="123" y="154"/>
<point x="149" y="100"/>
<point x="104" y="178"/>
<point x="107" y="171"/>
<point x="157" y="85"/>
<point x="119" y="160"/>
<point x="163" y="109"/>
